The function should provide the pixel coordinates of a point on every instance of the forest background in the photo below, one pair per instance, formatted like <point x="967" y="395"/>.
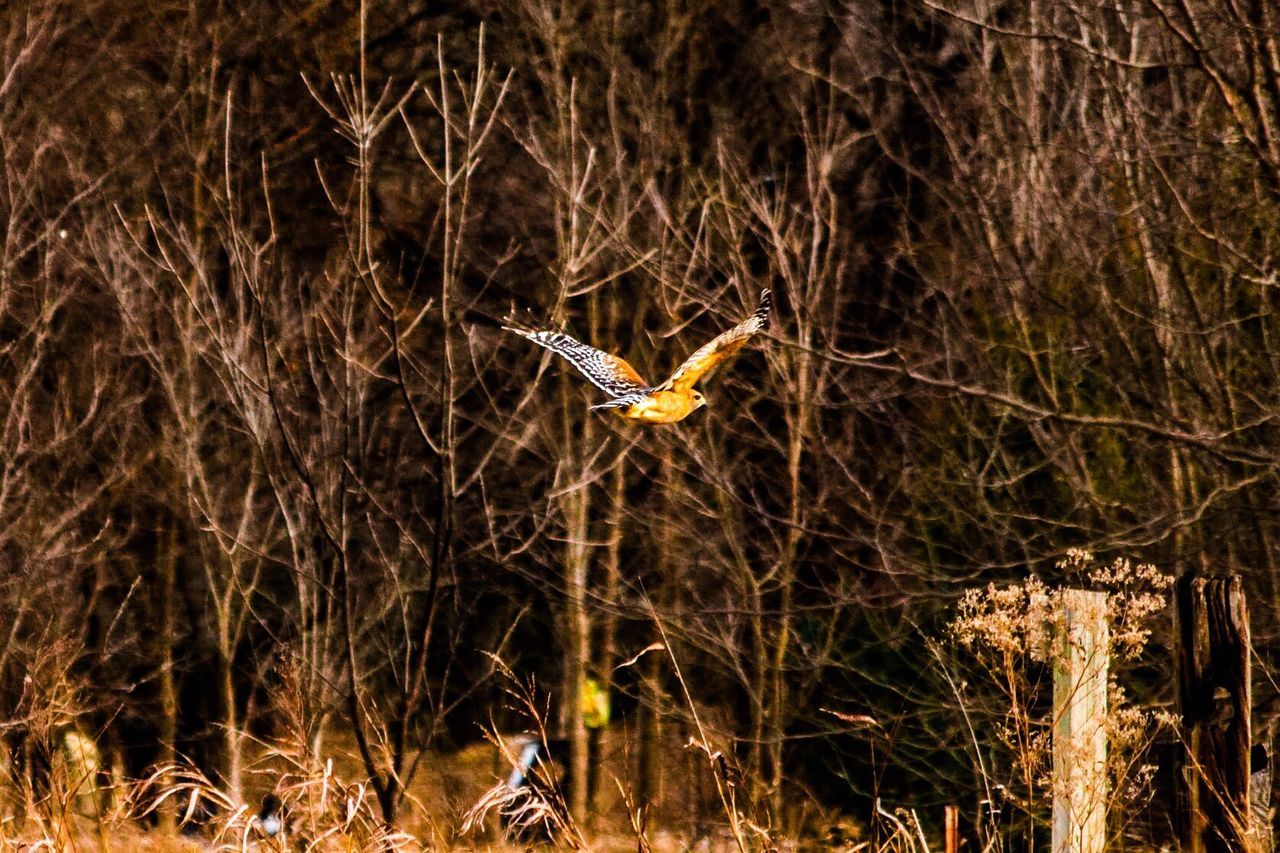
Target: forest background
<point x="268" y="462"/>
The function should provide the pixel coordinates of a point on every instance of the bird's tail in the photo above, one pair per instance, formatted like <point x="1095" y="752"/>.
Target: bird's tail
<point x="762" y="310"/>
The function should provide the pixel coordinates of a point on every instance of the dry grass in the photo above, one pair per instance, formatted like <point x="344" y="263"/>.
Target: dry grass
<point x="329" y="811"/>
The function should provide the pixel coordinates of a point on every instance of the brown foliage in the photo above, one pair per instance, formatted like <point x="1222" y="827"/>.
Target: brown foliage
<point x="255" y="404"/>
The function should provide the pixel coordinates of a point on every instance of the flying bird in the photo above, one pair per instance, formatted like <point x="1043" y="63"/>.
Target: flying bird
<point x="632" y="397"/>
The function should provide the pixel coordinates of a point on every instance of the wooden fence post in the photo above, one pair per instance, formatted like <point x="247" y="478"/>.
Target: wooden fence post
<point x="1080" y="724"/>
<point x="1214" y="698"/>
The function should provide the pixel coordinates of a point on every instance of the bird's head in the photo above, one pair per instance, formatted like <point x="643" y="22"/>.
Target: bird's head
<point x="698" y="400"/>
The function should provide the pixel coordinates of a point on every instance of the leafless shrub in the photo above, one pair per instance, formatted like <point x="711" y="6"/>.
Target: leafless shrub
<point x="1008" y="629"/>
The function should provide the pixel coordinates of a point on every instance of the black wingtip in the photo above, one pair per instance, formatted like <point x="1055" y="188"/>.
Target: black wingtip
<point x="766" y="302"/>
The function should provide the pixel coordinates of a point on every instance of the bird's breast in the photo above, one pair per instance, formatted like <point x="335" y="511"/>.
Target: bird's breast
<point x="660" y="407"/>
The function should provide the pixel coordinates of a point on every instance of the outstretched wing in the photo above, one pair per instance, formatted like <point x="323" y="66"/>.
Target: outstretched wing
<point x="724" y="345"/>
<point x="609" y="373"/>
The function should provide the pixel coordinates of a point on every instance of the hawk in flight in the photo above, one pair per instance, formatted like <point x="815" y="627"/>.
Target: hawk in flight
<point x="632" y="397"/>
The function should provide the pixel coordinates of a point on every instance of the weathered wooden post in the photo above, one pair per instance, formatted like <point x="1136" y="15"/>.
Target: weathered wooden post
<point x="1214" y="698"/>
<point x="1080" y="723"/>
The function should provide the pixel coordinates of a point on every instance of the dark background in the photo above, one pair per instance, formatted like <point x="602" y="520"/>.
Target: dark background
<point x="264" y="444"/>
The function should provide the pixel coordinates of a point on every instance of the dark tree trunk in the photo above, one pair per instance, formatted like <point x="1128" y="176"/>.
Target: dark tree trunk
<point x="1215" y="703"/>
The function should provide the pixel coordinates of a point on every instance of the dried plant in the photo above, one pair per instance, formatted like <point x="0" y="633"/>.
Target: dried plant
<point x="322" y="812"/>
<point x="1007" y="631"/>
<point x="536" y="809"/>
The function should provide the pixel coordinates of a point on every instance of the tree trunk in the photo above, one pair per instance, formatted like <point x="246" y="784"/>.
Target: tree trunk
<point x="577" y="561"/>
<point x="230" y="726"/>
<point x="649" y="740"/>
<point x="649" y="781"/>
<point x="1214" y="698"/>
<point x="167" y="570"/>
<point x="608" y="621"/>
<point x="577" y="647"/>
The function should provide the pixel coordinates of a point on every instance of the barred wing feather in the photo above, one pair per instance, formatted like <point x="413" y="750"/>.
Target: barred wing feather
<point x="607" y="372"/>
